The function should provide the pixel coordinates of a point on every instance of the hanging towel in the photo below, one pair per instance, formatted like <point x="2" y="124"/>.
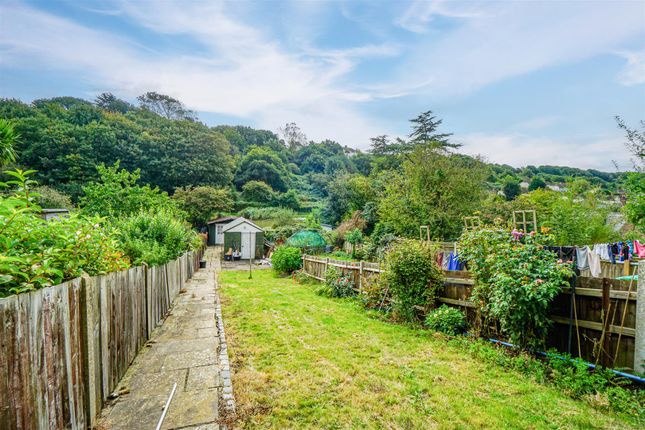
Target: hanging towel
<point x="454" y="263"/>
<point x="594" y="263"/>
<point x="582" y="255"/>
<point x="445" y="261"/>
<point x="639" y="249"/>
<point x="602" y="250"/>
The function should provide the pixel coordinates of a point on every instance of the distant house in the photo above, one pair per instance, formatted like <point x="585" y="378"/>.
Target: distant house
<point x="216" y="229"/>
<point x="49" y="214"/>
<point x="244" y="236"/>
<point x="524" y="185"/>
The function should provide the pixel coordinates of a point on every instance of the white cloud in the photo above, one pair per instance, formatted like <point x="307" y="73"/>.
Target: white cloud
<point x="417" y="17"/>
<point x="240" y="71"/>
<point x="634" y="71"/>
<point x="508" y="39"/>
<point x="521" y="150"/>
<point x="244" y="69"/>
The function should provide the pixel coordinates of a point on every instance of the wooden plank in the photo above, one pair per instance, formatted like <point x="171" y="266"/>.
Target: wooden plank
<point x="595" y="325"/>
<point x="459" y="281"/>
<point x="456" y="302"/>
<point x="593" y="292"/>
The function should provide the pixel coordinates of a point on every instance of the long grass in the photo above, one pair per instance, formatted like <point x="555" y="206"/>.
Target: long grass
<point x="305" y="361"/>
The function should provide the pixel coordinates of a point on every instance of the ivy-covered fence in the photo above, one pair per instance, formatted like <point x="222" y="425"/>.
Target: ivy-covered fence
<point x="605" y="318"/>
<point x="64" y="348"/>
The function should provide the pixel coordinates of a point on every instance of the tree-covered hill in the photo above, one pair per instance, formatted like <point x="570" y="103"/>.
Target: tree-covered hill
<point x="395" y="186"/>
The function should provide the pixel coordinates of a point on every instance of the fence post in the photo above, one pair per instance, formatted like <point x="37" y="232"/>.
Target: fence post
<point x="360" y="277"/>
<point x="326" y="264"/>
<point x="149" y="304"/>
<point x="639" y="344"/>
<point x="91" y="352"/>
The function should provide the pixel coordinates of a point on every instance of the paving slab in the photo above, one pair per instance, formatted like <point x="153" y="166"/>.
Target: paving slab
<point x="184" y="350"/>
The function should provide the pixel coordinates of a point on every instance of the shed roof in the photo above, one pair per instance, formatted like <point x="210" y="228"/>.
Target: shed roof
<point x="238" y="221"/>
<point x="222" y="220"/>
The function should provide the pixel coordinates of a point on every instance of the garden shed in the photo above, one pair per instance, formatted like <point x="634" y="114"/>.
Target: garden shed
<point x="216" y="229"/>
<point x="244" y="236"/>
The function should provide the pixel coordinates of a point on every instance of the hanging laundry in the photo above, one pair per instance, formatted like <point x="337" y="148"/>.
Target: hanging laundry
<point x="439" y="259"/>
<point x="602" y="250"/>
<point x="445" y="260"/>
<point x="625" y="253"/>
<point x="610" y="250"/>
<point x="594" y="263"/>
<point x="639" y="249"/>
<point x="582" y="257"/>
<point x="564" y="253"/>
<point x="454" y="263"/>
<point x="517" y="235"/>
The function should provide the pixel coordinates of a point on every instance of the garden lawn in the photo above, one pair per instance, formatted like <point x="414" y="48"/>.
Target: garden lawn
<point x="305" y="361"/>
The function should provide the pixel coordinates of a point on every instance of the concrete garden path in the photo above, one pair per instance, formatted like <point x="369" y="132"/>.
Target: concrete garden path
<point x="188" y="350"/>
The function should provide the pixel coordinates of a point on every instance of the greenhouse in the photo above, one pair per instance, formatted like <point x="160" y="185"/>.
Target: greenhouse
<point x="309" y="240"/>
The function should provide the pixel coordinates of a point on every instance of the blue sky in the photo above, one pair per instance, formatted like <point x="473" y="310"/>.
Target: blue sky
<point x="517" y="82"/>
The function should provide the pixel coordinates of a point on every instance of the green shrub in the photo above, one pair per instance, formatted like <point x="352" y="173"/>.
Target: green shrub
<point x="337" y="284"/>
<point x="413" y="277"/>
<point x="50" y="198"/>
<point x="116" y="194"/>
<point x="35" y="253"/>
<point x="155" y="237"/>
<point x="286" y="259"/>
<point x="447" y="320"/>
<point x="374" y="294"/>
<point x="515" y="281"/>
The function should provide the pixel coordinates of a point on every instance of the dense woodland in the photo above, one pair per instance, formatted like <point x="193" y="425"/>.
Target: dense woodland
<point x="390" y="189"/>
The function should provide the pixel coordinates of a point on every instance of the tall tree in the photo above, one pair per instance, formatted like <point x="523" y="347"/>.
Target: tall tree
<point x="511" y="189"/>
<point x="165" y="106"/>
<point x="203" y="203"/>
<point x="635" y="142"/>
<point x="434" y="189"/>
<point x="110" y="102"/>
<point x="262" y="164"/>
<point x="424" y="132"/>
<point x="293" y="136"/>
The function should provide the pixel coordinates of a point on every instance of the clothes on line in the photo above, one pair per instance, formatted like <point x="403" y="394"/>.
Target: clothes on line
<point x="454" y="263"/>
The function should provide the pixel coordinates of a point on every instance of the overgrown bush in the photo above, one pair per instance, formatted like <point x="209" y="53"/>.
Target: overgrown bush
<point x="337" y="284"/>
<point x="374" y="294"/>
<point x="50" y="198"/>
<point x="155" y="237"/>
<point x="117" y="193"/>
<point x="35" y="253"/>
<point x="286" y="259"/>
<point x="413" y="277"/>
<point x="515" y="281"/>
<point x="447" y="320"/>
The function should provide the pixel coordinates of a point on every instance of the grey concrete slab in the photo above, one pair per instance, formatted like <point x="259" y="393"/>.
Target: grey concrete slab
<point x="184" y="350"/>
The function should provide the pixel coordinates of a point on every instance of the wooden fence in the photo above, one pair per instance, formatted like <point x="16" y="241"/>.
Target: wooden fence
<point x="64" y="348"/>
<point x="594" y="299"/>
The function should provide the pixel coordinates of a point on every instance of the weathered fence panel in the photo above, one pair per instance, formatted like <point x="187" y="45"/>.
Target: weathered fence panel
<point x="604" y="321"/>
<point x="65" y="348"/>
<point x="123" y="323"/>
<point x="41" y="365"/>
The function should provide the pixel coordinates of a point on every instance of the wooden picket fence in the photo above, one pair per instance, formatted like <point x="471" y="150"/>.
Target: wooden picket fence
<point x="65" y="348"/>
<point x="605" y="310"/>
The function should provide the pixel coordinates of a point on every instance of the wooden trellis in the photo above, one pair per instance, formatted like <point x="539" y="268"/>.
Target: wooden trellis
<point x="472" y="222"/>
<point x="427" y="230"/>
<point x="523" y="219"/>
